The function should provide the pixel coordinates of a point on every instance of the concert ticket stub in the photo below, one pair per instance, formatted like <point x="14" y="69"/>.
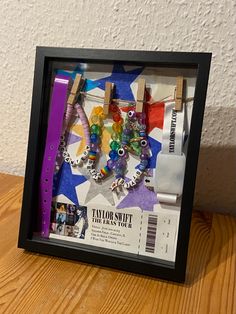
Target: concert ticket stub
<point x="129" y="230"/>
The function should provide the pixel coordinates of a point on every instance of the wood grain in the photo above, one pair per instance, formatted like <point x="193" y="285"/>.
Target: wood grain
<point x="32" y="283"/>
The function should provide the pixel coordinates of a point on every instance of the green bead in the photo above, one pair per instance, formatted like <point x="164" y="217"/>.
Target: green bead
<point x="114" y="145"/>
<point x="95" y="129"/>
<point x="136" y="147"/>
<point x="115" y="136"/>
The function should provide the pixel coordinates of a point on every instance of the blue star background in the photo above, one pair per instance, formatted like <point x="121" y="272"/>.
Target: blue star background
<point x="122" y="80"/>
<point x="65" y="182"/>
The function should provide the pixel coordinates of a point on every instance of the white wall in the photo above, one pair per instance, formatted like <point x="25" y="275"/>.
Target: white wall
<point x="179" y="25"/>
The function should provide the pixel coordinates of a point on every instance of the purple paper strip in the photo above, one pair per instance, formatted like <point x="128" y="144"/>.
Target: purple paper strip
<point x="55" y="121"/>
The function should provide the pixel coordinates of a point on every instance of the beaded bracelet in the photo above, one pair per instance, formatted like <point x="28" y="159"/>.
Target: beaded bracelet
<point x="133" y="140"/>
<point x="85" y="124"/>
<point x="117" y="154"/>
<point x="120" y="164"/>
<point x="137" y="123"/>
<point x="96" y="130"/>
<point x="95" y="139"/>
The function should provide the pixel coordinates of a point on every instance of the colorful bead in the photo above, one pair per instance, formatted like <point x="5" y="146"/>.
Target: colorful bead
<point x="143" y="143"/>
<point x="95" y="128"/>
<point x="113" y="108"/>
<point x="114" y="145"/>
<point x="127" y="131"/>
<point x="121" y="152"/>
<point x="94" y="146"/>
<point x="144" y="156"/>
<point x="98" y="111"/>
<point x="145" y="150"/>
<point x="121" y="121"/>
<point x="142" y="127"/>
<point x="141" y="167"/>
<point x="119" y="171"/>
<point x="110" y="164"/>
<point x="125" y="139"/>
<point x="115" y="136"/>
<point x="143" y="164"/>
<point x="92" y="155"/>
<point x="96" y="119"/>
<point x="116" y="117"/>
<point x="121" y="163"/>
<point x="119" y="176"/>
<point x="132" y="114"/>
<point x="113" y="155"/>
<point x="117" y="127"/>
<point x="105" y="170"/>
<point x="94" y="138"/>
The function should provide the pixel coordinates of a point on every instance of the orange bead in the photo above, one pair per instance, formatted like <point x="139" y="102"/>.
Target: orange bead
<point x="121" y="121"/>
<point x="116" y="116"/>
<point x="98" y="110"/>
<point x="117" y="127"/>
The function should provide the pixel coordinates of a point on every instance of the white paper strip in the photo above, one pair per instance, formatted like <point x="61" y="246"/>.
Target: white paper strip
<point x="167" y="198"/>
<point x="172" y="138"/>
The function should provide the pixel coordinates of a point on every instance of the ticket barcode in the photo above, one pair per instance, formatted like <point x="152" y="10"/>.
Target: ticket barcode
<point x="151" y="234"/>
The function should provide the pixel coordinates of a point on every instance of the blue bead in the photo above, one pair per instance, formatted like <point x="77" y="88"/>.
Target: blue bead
<point x="94" y="138"/>
<point x="141" y="167"/>
<point x="125" y="137"/>
<point x="127" y="131"/>
<point x="124" y="142"/>
<point x="118" y="176"/>
<point x="119" y="171"/>
<point x="113" y="155"/>
<point x="144" y="162"/>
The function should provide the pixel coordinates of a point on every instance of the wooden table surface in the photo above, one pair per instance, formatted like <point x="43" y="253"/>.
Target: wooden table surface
<point x="32" y="283"/>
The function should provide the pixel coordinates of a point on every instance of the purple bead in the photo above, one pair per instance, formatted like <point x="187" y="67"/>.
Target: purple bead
<point x="119" y="171"/>
<point x="121" y="163"/>
<point x="110" y="164"/>
<point x="145" y="150"/>
<point x="94" y="146"/>
<point x="144" y="156"/>
<point x="118" y="176"/>
<point x="127" y="131"/>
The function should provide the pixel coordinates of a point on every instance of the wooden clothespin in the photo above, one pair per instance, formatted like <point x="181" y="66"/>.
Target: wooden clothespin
<point x="75" y="90"/>
<point x="108" y="97"/>
<point x="179" y="93"/>
<point x="140" y="95"/>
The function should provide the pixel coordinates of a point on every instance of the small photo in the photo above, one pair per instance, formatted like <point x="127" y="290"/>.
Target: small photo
<point x="61" y="208"/>
<point x="70" y="219"/>
<point x="60" y="223"/>
<point x="69" y="231"/>
<point x="60" y="229"/>
<point x="60" y="218"/>
<point x="70" y="209"/>
<point x="81" y="224"/>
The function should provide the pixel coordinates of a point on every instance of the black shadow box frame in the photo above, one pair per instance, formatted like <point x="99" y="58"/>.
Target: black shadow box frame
<point x="37" y="135"/>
